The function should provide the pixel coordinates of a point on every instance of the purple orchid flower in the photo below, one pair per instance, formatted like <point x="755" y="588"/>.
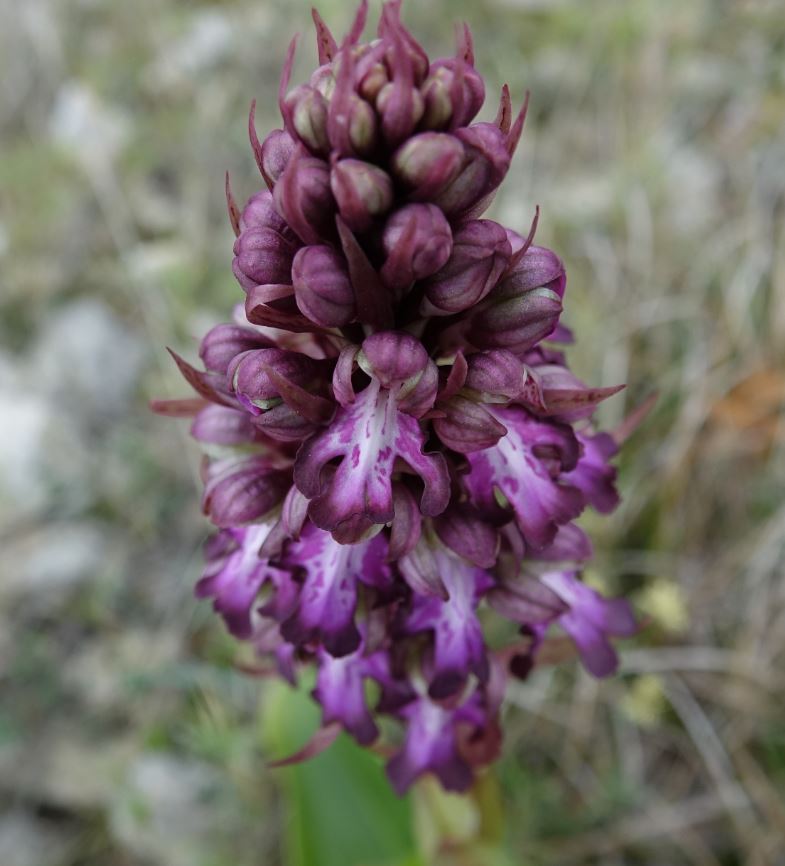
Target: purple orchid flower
<point x="393" y="443"/>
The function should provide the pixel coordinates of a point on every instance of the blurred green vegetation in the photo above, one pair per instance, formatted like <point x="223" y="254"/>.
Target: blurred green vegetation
<point x="654" y="145"/>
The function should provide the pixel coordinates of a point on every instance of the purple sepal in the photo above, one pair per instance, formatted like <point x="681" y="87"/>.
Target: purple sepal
<point x="362" y="191"/>
<point x="480" y="254"/>
<point x="304" y="199"/>
<point x="234" y="574"/>
<point x="496" y="376"/>
<point x="589" y="620"/>
<point x="406" y="525"/>
<point x="484" y="164"/>
<point x="459" y="647"/>
<point x="328" y="598"/>
<point x="220" y="425"/>
<point x="418" y="241"/>
<point x="525" y="466"/>
<point x="241" y="491"/>
<point x="224" y="342"/>
<point x="466" y="426"/>
<point x="401" y="364"/>
<point x="304" y="111"/>
<point x="570" y="544"/>
<point x="594" y="476"/>
<point x="322" y="288"/>
<point x="426" y="163"/>
<point x="274" y="154"/>
<point x="526" y="600"/>
<point x="368" y="436"/>
<point x="562" y="395"/>
<point x="462" y="529"/>
<point x="264" y="250"/>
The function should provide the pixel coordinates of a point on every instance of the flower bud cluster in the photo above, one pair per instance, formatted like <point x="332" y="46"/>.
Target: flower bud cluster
<point x="396" y="448"/>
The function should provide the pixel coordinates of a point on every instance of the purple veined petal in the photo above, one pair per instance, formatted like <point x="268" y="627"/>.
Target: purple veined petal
<point x="430" y="746"/>
<point x="340" y="691"/>
<point x="234" y="578"/>
<point x="328" y="597"/>
<point x="367" y="436"/>
<point x="459" y="647"/>
<point x="594" y="476"/>
<point x="539" y="502"/>
<point x="590" y="619"/>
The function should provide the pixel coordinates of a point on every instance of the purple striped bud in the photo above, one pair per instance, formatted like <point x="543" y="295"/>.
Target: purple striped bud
<point x="305" y="112"/>
<point x="273" y="155"/>
<point x="322" y="288"/>
<point x="485" y="162"/>
<point x="494" y="377"/>
<point x="427" y="163"/>
<point x="480" y="253"/>
<point x="263" y="253"/>
<point x="454" y="92"/>
<point x="221" y="344"/>
<point x="304" y="199"/>
<point x="399" y="361"/>
<point x="281" y="388"/>
<point x="400" y="107"/>
<point x="363" y="192"/>
<point x="466" y="426"/>
<point x="418" y="242"/>
<point x="525" y="306"/>
<point x="239" y="492"/>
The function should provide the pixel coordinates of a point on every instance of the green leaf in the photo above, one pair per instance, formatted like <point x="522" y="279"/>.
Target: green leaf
<point x="341" y="809"/>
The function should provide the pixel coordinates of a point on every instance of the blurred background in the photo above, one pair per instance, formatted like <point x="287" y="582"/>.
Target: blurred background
<point x="655" y="147"/>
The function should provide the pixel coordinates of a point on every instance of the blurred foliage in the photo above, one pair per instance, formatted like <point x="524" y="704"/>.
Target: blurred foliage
<point x="654" y="145"/>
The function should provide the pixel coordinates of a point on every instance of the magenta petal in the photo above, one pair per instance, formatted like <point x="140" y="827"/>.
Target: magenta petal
<point x="512" y="466"/>
<point x="367" y="437"/>
<point x="594" y="476"/>
<point x="340" y="691"/>
<point x="235" y="573"/>
<point x="329" y="593"/>
<point x="459" y="648"/>
<point x="430" y="746"/>
<point x="590" y="619"/>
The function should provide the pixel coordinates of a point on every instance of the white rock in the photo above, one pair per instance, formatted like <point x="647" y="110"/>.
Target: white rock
<point x="86" y="359"/>
<point x="29" y="841"/>
<point x="171" y="811"/>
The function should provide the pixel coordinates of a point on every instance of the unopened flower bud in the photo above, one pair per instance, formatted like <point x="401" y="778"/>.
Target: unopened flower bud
<point x="264" y="250"/>
<point x="427" y="163"/>
<point x="480" y="253"/>
<point x="276" y="151"/>
<point x="304" y="199"/>
<point x="323" y="80"/>
<point x="517" y="323"/>
<point x="418" y="241"/>
<point x="496" y="376"/>
<point x="454" y="92"/>
<point x="238" y="492"/>
<point x="401" y="108"/>
<point x="221" y="344"/>
<point x="305" y="111"/>
<point x="400" y="363"/>
<point x="322" y="287"/>
<point x="485" y="162"/>
<point x="467" y="426"/>
<point x="362" y="191"/>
